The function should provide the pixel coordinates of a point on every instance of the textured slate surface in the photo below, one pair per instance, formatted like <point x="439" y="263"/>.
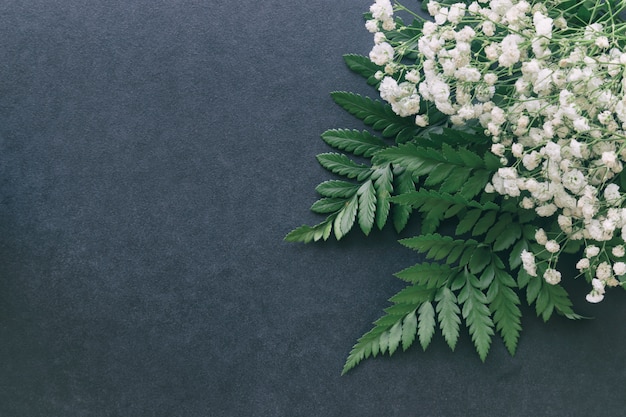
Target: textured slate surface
<point x="153" y="154"/>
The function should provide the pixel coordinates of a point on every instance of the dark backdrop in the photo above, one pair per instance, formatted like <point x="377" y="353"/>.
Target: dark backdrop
<point x="153" y="154"/>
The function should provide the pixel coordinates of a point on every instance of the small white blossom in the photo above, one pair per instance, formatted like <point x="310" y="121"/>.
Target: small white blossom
<point x="552" y="276"/>
<point x="582" y="264"/>
<point x="619" y="268"/>
<point x="552" y="246"/>
<point x="618" y="251"/>
<point x="591" y="251"/>
<point x="381" y="54"/>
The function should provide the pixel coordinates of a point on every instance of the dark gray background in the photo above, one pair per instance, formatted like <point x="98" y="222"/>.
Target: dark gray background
<point x="153" y="154"/>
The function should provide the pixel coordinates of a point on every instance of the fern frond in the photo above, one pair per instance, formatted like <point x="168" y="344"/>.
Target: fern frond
<point x="306" y="234"/>
<point x="353" y="141"/>
<point x="367" y="206"/>
<point x="427" y="323"/>
<point x="448" y="315"/>
<point x="477" y="315"/>
<point x="374" y="113"/>
<point x="383" y="184"/>
<point x="503" y="303"/>
<point x="438" y="247"/>
<point x="342" y="165"/>
<point x="363" y="66"/>
<point x="404" y="184"/>
<point x="392" y="329"/>
<point x="345" y="218"/>
<point x="549" y="298"/>
<point x="455" y="170"/>
<point x="337" y="189"/>
<point x="429" y="275"/>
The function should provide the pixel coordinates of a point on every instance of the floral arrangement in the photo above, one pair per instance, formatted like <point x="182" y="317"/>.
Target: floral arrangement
<point x="502" y="128"/>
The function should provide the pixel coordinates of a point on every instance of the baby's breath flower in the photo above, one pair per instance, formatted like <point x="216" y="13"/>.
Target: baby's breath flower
<point x="552" y="276"/>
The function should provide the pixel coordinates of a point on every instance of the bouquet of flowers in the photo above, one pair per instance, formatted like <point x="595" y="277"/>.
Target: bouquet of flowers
<point x="503" y="130"/>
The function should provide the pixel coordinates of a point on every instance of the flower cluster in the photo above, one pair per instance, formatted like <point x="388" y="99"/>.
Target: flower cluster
<point x="551" y="97"/>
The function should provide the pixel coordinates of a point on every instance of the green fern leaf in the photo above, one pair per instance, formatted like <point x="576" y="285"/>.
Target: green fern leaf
<point x="373" y="113"/>
<point x="457" y="181"/>
<point x="475" y="183"/>
<point x="448" y="315"/>
<point x="551" y="298"/>
<point x="363" y="66"/>
<point x="409" y="330"/>
<point x="337" y="189"/>
<point x="345" y="218"/>
<point x="306" y="234"/>
<point x="507" y="237"/>
<point x="485" y="222"/>
<point x="388" y="330"/>
<point x="477" y="315"/>
<point x="426" y="327"/>
<point x="439" y="173"/>
<point x="328" y="205"/>
<point x="342" y="165"/>
<point x="402" y="213"/>
<point x="503" y="303"/>
<point x="395" y="337"/>
<point x="367" y="206"/>
<point x="358" y="143"/>
<point x="515" y="257"/>
<point x="504" y="221"/>
<point x="437" y="246"/>
<point x="429" y="275"/>
<point x="468" y="221"/>
<point x="414" y="295"/>
<point x="383" y="183"/>
<point x="418" y="160"/>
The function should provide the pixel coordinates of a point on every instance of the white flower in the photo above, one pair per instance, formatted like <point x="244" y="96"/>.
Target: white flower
<point x="510" y="50"/>
<point x="543" y="25"/>
<point x="546" y="210"/>
<point x="552" y="276"/>
<point x="497" y="149"/>
<point x="541" y="237"/>
<point x="574" y="180"/>
<point x="604" y="271"/>
<point x="421" y="120"/>
<point x="528" y="263"/>
<point x="602" y="42"/>
<point x="582" y="264"/>
<point x="552" y="246"/>
<point x="591" y="251"/>
<point x="581" y="124"/>
<point x="618" y="251"/>
<point x="381" y="53"/>
<point x="381" y="10"/>
<point x="612" y="194"/>
<point x="619" y="268"/>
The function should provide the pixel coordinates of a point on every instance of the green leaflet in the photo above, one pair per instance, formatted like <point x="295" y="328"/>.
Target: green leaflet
<point x="448" y="314"/>
<point x="503" y="303"/>
<point x="363" y="66"/>
<point x="342" y="165"/>
<point x="426" y="327"/>
<point x="358" y="143"/>
<point x="477" y="315"/>
<point x="390" y="330"/>
<point x="376" y="114"/>
<point x="453" y="169"/>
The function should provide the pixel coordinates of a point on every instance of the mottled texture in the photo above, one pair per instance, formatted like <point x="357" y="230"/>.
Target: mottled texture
<point x="153" y="154"/>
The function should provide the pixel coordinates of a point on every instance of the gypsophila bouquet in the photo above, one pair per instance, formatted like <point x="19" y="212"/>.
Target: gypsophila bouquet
<point x="508" y="128"/>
